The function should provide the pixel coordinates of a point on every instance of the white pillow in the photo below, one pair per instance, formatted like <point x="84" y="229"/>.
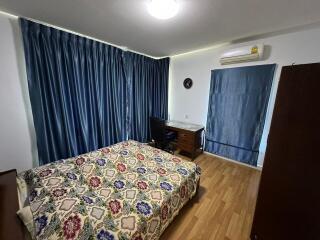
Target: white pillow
<point x="22" y="192"/>
<point x="26" y="217"/>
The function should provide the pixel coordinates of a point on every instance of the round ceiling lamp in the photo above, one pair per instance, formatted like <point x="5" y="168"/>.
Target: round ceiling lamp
<point x="163" y="9"/>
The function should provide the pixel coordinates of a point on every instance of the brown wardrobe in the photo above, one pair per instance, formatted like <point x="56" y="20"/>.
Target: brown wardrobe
<point x="289" y="193"/>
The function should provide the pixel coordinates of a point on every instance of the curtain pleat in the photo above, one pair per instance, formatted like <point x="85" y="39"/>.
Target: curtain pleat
<point x="148" y="93"/>
<point x="86" y="95"/>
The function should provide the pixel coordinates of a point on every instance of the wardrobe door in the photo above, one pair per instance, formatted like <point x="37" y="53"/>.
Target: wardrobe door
<point x="288" y="199"/>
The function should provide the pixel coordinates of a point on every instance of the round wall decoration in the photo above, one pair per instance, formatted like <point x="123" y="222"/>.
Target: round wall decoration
<point x="187" y="83"/>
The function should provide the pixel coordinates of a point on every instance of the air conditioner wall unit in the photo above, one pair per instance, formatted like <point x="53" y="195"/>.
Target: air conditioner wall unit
<point x="242" y="54"/>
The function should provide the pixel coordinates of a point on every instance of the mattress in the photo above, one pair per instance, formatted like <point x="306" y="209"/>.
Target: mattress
<point x="126" y="191"/>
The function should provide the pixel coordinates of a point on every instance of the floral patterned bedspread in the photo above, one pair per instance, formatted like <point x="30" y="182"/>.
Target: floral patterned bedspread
<point x="126" y="191"/>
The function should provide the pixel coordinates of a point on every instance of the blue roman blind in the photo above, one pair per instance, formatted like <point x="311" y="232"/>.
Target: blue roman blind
<point x="238" y="103"/>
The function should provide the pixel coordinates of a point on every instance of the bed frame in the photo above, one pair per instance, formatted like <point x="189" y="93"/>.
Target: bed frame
<point x="10" y="225"/>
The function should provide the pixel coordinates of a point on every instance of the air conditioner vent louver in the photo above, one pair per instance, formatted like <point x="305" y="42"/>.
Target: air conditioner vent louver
<point x="243" y="54"/>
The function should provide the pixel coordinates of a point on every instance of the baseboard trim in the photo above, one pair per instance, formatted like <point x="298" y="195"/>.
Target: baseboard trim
<point x="233" y="161"/>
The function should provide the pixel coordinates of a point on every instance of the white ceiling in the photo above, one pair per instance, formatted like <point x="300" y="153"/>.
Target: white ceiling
<point x="199" y="23"/>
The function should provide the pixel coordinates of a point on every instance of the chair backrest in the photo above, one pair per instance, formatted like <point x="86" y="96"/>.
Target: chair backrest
<point x="158" y="131"/>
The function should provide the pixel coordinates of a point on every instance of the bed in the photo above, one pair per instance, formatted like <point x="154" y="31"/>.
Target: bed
<point x="126" y="191"/>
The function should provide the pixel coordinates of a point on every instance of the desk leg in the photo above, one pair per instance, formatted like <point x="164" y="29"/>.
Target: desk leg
<point x="203" y="139"/>
<point x="192" y="155"/>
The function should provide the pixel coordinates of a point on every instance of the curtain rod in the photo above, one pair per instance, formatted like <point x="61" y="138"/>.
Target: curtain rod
<point x="80" y="34"/>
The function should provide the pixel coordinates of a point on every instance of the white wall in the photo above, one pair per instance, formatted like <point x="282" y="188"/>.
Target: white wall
<point x="192" y="105"/>
<point x="17" y="136"/>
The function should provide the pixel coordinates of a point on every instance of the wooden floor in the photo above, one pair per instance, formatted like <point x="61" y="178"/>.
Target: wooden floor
<point x="224" y="205"/>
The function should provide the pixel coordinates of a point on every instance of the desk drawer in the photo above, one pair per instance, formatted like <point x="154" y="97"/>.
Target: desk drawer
<point x="186" y="138"/>
<point x="185" y="146"/>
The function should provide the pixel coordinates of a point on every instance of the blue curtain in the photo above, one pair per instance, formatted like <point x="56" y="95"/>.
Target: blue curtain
<point x="148" y="88"/>
<point x="237" y="108"/>
<point x="79" y="91"/>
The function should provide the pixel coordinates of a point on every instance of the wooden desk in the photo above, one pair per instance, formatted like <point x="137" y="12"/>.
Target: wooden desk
<point x="189" y="137"/>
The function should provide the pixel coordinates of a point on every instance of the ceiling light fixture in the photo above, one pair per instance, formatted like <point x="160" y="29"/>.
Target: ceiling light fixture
<point x="163" y="9"/>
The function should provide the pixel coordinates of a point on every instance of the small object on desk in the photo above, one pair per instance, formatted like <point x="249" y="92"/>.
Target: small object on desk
<point x="189" y="137"/>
